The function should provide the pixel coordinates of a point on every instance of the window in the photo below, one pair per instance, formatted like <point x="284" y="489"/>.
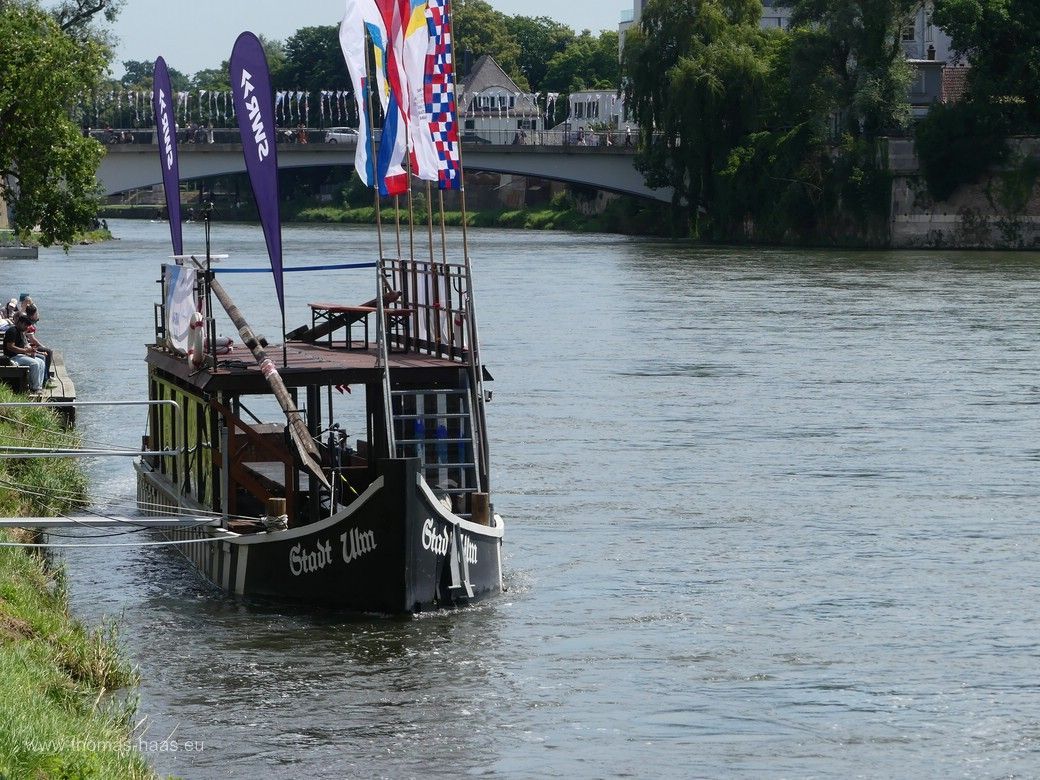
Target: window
<point x="910" y="30"/>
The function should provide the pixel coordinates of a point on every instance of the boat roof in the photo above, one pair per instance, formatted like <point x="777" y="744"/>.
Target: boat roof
<point x="306" y="364"/>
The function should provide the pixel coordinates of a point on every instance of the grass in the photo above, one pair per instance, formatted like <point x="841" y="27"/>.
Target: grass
<point x="66" y="705"/>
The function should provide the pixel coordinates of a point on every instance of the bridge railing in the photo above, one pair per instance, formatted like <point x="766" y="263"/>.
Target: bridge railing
<point x="574" y="137"/>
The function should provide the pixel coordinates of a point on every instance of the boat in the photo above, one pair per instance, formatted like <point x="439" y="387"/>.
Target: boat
<point x="405" y="523"/>
<point x="367" y="485"/>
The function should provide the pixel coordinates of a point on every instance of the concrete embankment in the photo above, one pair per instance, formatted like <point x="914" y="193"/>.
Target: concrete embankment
<point x="1000" y="211"/>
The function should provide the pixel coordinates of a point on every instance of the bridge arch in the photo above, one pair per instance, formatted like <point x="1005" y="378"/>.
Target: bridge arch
<point x="130" y="166"/>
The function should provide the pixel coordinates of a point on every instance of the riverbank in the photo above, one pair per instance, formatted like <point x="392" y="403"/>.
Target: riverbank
<point x="85" y="238"/>
<point x="624" y="216"/>
<point x="65" y="706"/>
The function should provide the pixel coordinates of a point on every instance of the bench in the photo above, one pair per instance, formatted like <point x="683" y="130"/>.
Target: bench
<point x="14" y="376"/>
<point x="327" y="318"/>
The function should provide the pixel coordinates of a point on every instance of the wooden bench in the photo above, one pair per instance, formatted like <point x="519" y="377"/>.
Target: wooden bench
<point x="327" y="318"/>
<point x="14" y="376"/>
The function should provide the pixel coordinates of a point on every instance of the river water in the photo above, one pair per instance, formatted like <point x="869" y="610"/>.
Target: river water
<point x="769" y="513"/>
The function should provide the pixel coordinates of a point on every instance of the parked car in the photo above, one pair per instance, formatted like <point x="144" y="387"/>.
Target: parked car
<point x="473" y="138"/>
<point x="341" y="135"/>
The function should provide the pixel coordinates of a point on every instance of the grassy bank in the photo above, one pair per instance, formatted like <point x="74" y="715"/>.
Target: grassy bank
<point x="87" y="237"/>
<point x="626" y="216"/>
<point x="64" y="712"/>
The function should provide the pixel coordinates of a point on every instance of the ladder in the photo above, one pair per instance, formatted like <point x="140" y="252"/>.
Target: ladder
<point x="437" y="427"/>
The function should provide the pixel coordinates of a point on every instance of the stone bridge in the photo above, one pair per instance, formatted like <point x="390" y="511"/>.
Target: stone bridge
<point x="610" y="168"/>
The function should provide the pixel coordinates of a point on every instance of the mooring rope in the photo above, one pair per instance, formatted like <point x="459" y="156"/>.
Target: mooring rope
<point x="115" y="544"/>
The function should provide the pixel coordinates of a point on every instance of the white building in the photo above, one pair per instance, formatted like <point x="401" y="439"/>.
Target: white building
<point x="492" y="107"/>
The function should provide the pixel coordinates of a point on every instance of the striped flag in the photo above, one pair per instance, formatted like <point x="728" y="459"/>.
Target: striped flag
<point x="388" y="40"/>
<point x="439" y="95"/>
<point x="418" y="46"/>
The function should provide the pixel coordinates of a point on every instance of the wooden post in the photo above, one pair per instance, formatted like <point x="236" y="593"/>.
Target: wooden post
<point x="480" y="509"/>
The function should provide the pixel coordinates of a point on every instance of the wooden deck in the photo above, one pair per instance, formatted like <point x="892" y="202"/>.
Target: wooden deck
<point x="307" y="364"/>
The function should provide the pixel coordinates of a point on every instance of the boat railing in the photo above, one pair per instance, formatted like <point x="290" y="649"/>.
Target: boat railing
<point x="434" y="296"/>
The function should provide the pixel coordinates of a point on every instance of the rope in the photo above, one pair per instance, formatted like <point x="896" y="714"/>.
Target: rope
<point x="294" y="269"/>
<point x="115" y="544"/>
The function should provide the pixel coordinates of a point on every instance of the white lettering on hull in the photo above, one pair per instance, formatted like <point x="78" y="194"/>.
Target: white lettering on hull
<point x="438" y="543"/>
<point x="355" y="543"/>
<point x="307" y="562"/>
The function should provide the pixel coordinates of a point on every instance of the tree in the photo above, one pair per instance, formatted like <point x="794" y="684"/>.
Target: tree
<point x="851" y="51"/>
<point x="697" y="73"/>
<point x="540" y="39"/>
<point x="211" y="78"/>
<point x="1002" y="42"/>
<point x="313" y="61"/>
<point x="47" y="167"/>
<point x="479" y="30"/>
<point x="587" y="62"/>
<point x="78" y="18"/>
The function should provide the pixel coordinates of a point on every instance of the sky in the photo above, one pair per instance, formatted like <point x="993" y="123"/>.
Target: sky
<point x="196" y="34"/>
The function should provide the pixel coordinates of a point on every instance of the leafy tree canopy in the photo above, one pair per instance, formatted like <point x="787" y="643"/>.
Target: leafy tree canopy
<point x="1002" y="42"/>
<point x="47" y="167"/>
<point x="313" y="61"/>
<point x="480" y="29"/>
<point x="540" y="39"/>
<point x="588" y="62"/>
<point x="138" y="75"/>
<point x="697" y="74"/>
<point x="851" y="54"/>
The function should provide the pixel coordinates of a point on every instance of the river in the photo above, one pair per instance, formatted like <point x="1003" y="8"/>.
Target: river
<point x="769" y="513"/>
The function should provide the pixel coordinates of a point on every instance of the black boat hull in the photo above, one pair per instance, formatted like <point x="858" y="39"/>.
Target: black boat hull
<point x="395" y="549"/>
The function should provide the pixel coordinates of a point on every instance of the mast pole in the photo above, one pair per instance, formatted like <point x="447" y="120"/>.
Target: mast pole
<point x="382" y="359"/>
<point x="477" y="368"/>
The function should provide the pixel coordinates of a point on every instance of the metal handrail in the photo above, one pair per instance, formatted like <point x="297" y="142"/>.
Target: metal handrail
<point x="40" y="452"/>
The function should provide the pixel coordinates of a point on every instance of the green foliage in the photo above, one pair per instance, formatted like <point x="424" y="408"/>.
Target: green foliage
<point x="956" y="143"/>
<point x="698" y="75"/>
<point x="53" y="671"/>
<point x="47" y="167"/>
<point x="540" y="39"/>
<point x="587" y="62"/>
<point x="854" y="60"/>
<point x="738" y="121"/>
<point x="313" y="61"/>
<point x="1002" y="42"/>
<point x="480" y="29"/>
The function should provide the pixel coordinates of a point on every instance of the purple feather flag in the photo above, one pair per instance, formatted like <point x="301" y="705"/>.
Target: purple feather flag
<point x="166" y="129"/>
<point x="254" y="108"/>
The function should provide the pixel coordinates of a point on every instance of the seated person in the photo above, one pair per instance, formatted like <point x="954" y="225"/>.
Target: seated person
<point x="21" y="353"/>
<point x="34" y="316"/>
<point x="9" y="309"/>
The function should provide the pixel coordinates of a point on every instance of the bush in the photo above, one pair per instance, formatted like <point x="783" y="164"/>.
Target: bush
<point x="957" y="143"/>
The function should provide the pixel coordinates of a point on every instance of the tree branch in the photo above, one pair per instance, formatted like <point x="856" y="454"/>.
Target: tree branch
<point x="79" y="12"/>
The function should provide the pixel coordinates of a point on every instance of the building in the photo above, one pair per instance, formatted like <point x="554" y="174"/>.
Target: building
<point x="492" y="108"/>
<point x="596" y="108"/>
<point x="927" y="47"/>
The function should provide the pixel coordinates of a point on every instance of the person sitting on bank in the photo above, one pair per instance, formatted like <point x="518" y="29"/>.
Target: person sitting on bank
<point x="21" y="353"/>
<point x="30" y="334"/>
<point x="24" y="302"/>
